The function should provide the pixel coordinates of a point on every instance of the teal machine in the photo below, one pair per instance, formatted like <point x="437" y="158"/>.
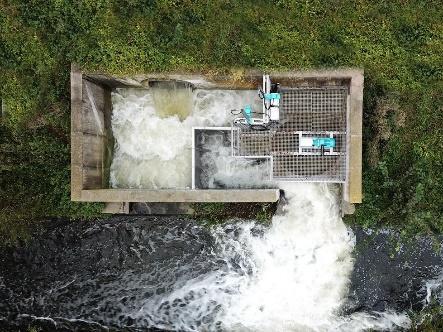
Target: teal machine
<point x="269" y="116"/>
<point x="310" y="143"/>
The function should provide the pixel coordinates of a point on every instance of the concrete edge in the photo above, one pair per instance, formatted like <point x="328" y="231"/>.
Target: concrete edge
<point x="353" y="188"/>
<point x="237" y="78"/>
<point x="352" y="192"/>
<point x="345" y="72"/>
<point x="321" y="73"/>
<point x="119" y="208"/>
<point x="185" y="195"/>
<point x="76" y="134"/>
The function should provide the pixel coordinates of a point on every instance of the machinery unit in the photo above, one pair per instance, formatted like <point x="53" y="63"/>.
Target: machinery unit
<point x="269" y="116"/>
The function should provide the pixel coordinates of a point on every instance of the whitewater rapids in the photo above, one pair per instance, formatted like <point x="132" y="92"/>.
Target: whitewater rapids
<point x="153" y="132"/>
<point x="292" y="276"/>
<point x="174" y="274"/>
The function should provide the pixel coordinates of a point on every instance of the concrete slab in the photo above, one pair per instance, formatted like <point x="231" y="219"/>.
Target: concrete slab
<point x="119" y="208"/>
<point x="355" y="170"/>
<point x="353" y="190"/>
<point x="76" y="148"/>
<point x="76" y="182"/>
<point x="144" y="195"/>
<point x="347" y="208"/>
<point x="76" y="134"/>
<point x="93" y="150"/>
<point x="93" y="179"/>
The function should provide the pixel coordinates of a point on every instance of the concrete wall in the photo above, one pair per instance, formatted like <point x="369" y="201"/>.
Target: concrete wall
<point x="91" y="137"/>
<point x="92" y="141"/>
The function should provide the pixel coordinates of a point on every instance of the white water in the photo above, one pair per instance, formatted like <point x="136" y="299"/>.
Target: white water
<point x="220" y="169"/>
<point x="292" y="277"/>
<point x="153" y="137"/>
<point x="434" y="290"/>
<point x="303" y="263"/>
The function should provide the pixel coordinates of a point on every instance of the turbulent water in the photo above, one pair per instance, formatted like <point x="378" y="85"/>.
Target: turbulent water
<point x="303" y="272"/>
<point x="219" y="169"/>
<point x="153" y="132"/>
<point x="298" y="274"/>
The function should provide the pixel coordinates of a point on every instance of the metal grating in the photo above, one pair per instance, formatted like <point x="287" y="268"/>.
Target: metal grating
<point x="307" y="168"/>
<point x="304" y="113"/>
<point x="252" y="143"/>
<point x="319" y="109"/>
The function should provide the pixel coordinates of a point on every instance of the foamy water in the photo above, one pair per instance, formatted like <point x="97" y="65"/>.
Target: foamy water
<point x="293" y="276"/>
<point x="153" y="132"/>
<point x="221" y="170"/>
<point x="434" y="290"/>
<point x="290" y="276"/>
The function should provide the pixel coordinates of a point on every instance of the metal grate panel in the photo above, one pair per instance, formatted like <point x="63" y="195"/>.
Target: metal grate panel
<point x="308" y="168"/>
<point x="304" y="113"/>
<point x="252" y="143"/>
<point x="315" y="109"/>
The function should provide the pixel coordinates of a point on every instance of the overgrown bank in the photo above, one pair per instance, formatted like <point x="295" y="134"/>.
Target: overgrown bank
<point x="399" y="45"/>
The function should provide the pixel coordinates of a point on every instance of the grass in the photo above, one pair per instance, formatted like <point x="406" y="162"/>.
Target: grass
<point x="397" y="42"/>
<point x="215" y="213"/>
<point x="430" y="319"/>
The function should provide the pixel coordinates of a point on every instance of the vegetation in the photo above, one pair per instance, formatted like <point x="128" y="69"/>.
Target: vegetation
<point x="215" y="213"/>
<point x="397" y="42"/>
<point x="430" y="319"/>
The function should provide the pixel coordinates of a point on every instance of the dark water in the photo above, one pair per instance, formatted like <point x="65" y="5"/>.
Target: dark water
<point x="391" y="274"/>
<point x="99" y="275"/>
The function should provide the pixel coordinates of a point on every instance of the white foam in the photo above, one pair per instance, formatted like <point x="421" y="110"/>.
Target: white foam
<point x="303" y="264"/>
<point x="434" y="289"/>
<point x="153" y="146"/>
<point x="293" y="277"/>
<point x="221" y="169"/>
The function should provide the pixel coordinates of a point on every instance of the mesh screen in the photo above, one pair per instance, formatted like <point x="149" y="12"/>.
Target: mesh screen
<point x="304" y="113"/>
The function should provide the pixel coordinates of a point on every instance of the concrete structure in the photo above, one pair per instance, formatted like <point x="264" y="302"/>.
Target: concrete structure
<point x="92" y="141"/>
<point x="92" y="146"/>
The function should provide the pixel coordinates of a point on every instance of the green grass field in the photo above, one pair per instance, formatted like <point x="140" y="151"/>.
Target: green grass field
<point x="398" y="43"/>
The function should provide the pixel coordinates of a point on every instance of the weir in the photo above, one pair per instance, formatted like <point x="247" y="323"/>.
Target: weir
<point x="108" y="166"/>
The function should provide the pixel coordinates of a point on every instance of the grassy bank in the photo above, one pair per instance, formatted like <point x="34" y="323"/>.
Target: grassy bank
<point x="398" y="43"/>
<point x="215" y="213"/>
